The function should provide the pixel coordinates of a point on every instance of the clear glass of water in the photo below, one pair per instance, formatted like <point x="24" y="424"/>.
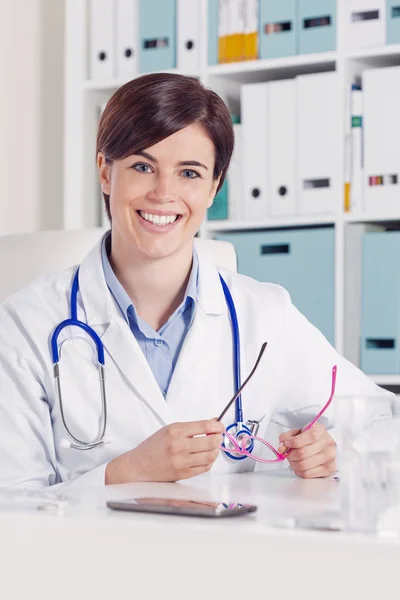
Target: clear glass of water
<point x="368" y="445"/>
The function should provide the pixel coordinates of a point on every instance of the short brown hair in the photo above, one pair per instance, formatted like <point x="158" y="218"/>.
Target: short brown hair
<point x="152" y="107"/>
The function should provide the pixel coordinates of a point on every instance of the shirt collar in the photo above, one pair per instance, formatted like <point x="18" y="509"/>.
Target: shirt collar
<point x="119" y="293"/>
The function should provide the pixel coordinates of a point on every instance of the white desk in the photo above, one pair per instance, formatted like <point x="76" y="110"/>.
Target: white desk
<point x="93" y="553"/>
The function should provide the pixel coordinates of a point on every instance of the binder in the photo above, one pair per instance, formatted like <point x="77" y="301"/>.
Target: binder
<point x="254" y="106"/>
<point x="237" y="30"/>
<point x="357" y="144"/>
<point x="282" y="147"/>
<point x="380" y="313"/>
<point x="102" y="54"/>
<point x="300" y="260"/>
<point x="381" y="140"/>
<point x="393" y="22"/>
<point x="277" y="28"/>
<point x="213" y="19"/>
<point x="157" y="26"/>
<point x="251" y="27"/>
<point x="188" y="30"/>
<point x="316" y="26"/>
<point x="365" y="23"/>
<point x="127" y="55"/>
<point x="319" y="142"/>
<point x="235" y="177"/>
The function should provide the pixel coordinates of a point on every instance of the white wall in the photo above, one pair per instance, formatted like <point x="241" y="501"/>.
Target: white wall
<point x="31" y="114"/>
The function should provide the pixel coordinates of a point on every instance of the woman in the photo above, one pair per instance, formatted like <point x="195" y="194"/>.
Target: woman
<point x="158" y="306"/>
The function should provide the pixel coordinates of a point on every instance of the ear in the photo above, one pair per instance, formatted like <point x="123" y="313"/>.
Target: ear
<point x="213" y="191"/>
<point x="104" y="173"/>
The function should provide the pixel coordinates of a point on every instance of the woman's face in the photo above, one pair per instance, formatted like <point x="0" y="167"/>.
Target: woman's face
<point x="158" y="198"/>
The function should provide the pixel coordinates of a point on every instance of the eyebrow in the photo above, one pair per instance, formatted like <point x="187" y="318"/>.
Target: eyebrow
<point x="184" y="163"/>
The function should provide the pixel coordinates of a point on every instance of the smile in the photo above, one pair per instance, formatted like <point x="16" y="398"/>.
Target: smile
<point x="160" y="220"/>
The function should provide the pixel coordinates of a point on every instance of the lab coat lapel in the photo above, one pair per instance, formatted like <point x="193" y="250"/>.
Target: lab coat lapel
<point x="203" y="378"/>
<point x="102" y="313"/>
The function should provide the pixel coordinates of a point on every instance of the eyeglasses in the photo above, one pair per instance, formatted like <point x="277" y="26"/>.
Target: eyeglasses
<point x="240" y="445"/>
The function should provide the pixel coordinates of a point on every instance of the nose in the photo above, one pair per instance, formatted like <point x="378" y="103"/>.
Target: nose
<point x="162" y="191"/>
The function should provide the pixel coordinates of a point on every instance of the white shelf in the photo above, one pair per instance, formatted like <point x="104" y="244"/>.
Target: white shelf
<point x="270" y="223"/>
<point x="385" y="379"/>
<point x="372" y="218"/>
<point x="391" y="50"/>
<point x="274" y="64"/>
<point x="114" y="84"/>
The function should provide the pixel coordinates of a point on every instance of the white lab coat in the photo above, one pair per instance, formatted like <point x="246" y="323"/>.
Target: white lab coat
<point x="290" y="386"/>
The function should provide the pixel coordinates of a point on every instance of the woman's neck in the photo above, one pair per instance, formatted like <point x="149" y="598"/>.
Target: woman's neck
<point x="155" y="286"/>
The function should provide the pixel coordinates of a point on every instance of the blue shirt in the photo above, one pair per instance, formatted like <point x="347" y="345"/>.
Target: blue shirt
<point x="161" y="348"/>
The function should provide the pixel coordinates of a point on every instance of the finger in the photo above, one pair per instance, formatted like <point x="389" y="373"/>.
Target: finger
<point x="325" y="470"/>
<point x="193" y="471"/>
<point x="206" y="427"/>
<point x="288" y="434"/>
<point x="299" y="454"/>
<point x="202" y="459"/>
<point x="204" y="443"/>
<point x="306" y="438"/>
<point x="320" y="459"/>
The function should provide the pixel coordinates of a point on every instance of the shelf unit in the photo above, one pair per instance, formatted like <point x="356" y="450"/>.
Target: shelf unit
<point x="84" y="96"/>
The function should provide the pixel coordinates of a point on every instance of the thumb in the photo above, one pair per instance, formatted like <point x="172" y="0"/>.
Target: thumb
<point x="284" y="437"/>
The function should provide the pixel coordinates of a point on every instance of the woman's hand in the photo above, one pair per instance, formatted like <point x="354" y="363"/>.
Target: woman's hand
<point x="313" y="452"/>
<point x="172" y="453"/>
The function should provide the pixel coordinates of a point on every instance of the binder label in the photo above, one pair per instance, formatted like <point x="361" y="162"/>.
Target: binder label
<point x="156" y="43"/>
<point x="395" y="11"/>
<point x="275" y="249"/>
<point x="309" y="184"/>
<point x="277" y="27"/>
<point x="383" y="180"/>
<point x="317" y="22"/>
<point x="366" y="15"/>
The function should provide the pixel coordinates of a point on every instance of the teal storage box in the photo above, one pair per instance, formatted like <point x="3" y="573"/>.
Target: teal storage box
<point x="301" y="260"/>
<point x="157" y="31"/>
<point x="213" y="19"/>
<point x="219" y="208"/>
<point x="277" y="31"/>
<point x="380" y="312"/>
<point x="393" y="22"/>
<point x="316" y="26"/>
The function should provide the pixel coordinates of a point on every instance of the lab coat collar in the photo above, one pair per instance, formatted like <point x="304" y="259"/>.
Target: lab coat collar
<point x="103" y="314"/>
<point x="100" y="306"/>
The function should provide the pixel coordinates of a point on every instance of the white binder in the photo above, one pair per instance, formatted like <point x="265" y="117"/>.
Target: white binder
<point x="127" y="50"/>
<point x="254" y="101"/>
<point x="102" y="52"/>
<point x="365" y="23"/>
<point x="235" y="177"/>
<point x="282" y="147"/>
<point x="381" y="141"/>
<point x="319" y="140"/>
<point x="188" y="26"/>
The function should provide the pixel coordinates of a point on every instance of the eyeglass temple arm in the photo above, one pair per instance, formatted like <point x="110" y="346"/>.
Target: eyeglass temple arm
<point x="227" y="407"/>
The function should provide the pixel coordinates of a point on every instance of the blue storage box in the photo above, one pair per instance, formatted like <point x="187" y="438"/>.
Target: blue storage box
<point x="213" y="20"/>
<point x="316" y="26"/>
<point x="380" y="313"/>
<point x="157" y="31"/>
<point x="301" y="260"/>
<point x="277" y="28"/>
<point x="393" y="22"/>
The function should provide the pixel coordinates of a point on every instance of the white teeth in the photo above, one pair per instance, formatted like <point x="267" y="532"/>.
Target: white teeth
<point x="158" y="219"/>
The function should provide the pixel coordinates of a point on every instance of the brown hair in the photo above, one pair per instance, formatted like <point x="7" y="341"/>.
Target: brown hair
<point x="152" y="107"/>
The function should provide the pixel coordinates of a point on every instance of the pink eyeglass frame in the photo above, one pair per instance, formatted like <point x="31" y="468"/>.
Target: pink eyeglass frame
<point x="240" y="447"/>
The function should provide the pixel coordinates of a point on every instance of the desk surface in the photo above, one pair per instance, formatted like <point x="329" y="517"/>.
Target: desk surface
<point x="92" y="552"/>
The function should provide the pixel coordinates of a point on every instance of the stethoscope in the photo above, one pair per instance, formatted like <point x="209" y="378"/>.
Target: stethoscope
<point x="238" y="428"/>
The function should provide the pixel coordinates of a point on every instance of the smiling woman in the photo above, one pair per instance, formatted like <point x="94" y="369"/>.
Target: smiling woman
<point x="171" y="331"/>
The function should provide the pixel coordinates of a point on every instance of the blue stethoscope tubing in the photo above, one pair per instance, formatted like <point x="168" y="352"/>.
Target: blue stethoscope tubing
<point x="238" y="424"/>
<point x="73" y="321"/>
